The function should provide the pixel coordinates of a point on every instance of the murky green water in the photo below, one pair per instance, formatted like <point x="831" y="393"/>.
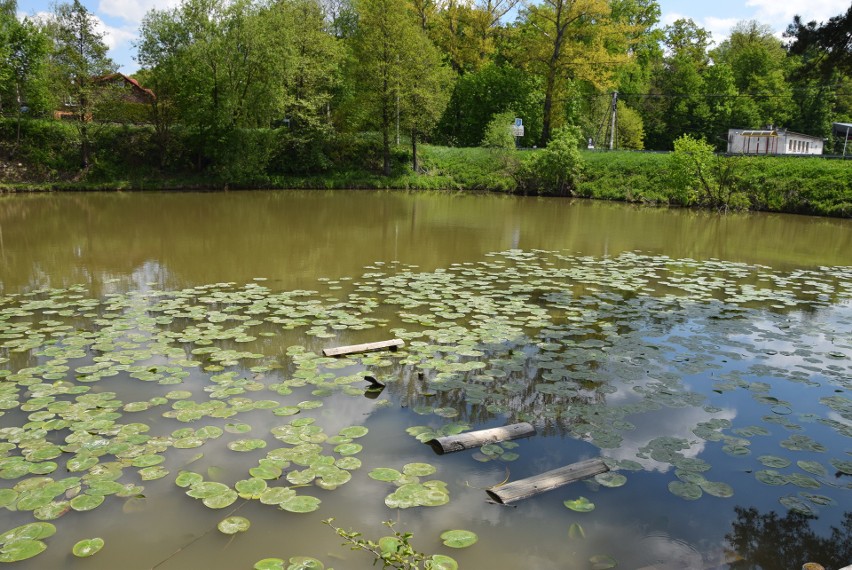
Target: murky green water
<point x="707" y="358"/>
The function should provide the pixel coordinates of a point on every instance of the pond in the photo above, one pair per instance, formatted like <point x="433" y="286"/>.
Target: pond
<point x="165" y="402"/>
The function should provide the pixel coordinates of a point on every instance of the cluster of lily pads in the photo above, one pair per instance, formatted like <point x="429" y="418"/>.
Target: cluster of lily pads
<point x="532" y="336"/>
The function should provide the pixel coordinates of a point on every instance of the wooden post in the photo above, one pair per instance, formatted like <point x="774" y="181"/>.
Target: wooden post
<point x="479" y="438"/>
<point x="367" y="347"/>
<point x="531" y="486"/>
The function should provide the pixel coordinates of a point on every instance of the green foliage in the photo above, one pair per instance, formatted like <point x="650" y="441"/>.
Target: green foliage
<point x="625" y="176"/>
<point x="394" y="551"/>
<point x="478" y="96"/>
<point x="554" y="170"/>
<point x="127" y="156"/>
<point x="243" y="154"/>
<point x="498" y="133"/>
<point x="49" y="147"/>
<point x="78" y="59"/>
<point x="396" y="72"/>
<point x="470" y="168"/>
<point x="698" y="176"/>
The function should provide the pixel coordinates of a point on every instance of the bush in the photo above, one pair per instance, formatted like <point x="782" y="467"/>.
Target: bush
<point x="555" y="169"/>
<point x="498" y="132"/>
<point x="699" y="176"/>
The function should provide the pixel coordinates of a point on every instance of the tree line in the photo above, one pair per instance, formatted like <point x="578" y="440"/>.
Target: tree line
<point x="293" y="84"/>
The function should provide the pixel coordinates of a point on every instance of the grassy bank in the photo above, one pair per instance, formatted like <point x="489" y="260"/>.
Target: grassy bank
<point x="127" y="158"/>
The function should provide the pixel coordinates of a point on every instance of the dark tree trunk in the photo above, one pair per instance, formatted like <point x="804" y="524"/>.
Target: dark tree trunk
<point x="415" y="166"/>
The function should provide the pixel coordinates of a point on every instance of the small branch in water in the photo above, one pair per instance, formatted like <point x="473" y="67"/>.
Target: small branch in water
<point x="196" y="539"/>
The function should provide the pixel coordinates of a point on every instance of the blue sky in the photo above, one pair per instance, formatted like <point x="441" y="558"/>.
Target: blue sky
<point x="121" y="18"/>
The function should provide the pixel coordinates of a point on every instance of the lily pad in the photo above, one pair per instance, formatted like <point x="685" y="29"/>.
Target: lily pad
<point x="581" y="505"/>
<point x="602" y="562"/>
<point x="418" y="469"/>
<point x="245" y="445"/>
<point x="21" y="550"/>
<point x="611" y="479"/>
<point x="442" y="562"/>
<point x="304" y="563"/>
<point x="384" y="474"/>
<point x="688" y="491"/>
<point x="87" y="547"/>
<point x="269" y="564"/>
<point x="459" y="538"/>
<point x="576" y="531"/>
<point x="233" y="525"/>
<point x="300" y="504"/>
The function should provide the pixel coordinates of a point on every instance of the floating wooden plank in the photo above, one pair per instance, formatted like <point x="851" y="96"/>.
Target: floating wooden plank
<point x="479" y="438"/>
<point x="367" y="347"/>
<point x="531" y="486"/>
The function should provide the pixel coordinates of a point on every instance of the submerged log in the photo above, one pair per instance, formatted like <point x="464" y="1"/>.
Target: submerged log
<point x="479" y="438"/>
<point x="367" y="347"/>
<point x="531" y="486"/>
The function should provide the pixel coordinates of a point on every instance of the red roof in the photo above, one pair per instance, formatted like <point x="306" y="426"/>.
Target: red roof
<point x="135" y="84"/>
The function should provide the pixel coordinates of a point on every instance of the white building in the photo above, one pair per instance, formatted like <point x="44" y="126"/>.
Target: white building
<point x="772" y="141"/>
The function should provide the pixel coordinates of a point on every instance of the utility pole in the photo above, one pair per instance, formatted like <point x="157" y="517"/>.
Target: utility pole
<point x="614" y="115"/>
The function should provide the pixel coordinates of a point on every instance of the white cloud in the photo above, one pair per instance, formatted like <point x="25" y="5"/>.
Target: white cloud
<point x="670" y="18"/>
<point x="133" y="12"/>
<point x="780" y="14"/>
<point x="720" y="28"/>
<point x="115" y="38"/>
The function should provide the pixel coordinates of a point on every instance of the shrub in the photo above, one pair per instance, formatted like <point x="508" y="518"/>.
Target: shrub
<point x="555" y="169"/>
<point x="498" y="132"/>
<point x="699" y="176"/>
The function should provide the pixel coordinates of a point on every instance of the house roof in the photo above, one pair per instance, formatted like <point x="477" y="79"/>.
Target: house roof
<point x="841" y="129"/>
<point x="130" y="81"/>
<point x="772" y="133"/>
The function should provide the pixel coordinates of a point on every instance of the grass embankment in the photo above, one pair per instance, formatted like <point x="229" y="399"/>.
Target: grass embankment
<point x="127" y="158"/>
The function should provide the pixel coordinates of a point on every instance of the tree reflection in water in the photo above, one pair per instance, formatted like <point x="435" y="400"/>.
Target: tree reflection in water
<point x="770" y="542"/>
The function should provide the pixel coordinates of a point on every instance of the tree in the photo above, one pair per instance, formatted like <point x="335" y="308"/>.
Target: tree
<point x="426" y="94"/>
<point x="678" y="103"/>
<point x="22" y="65"/>
<point x="394" y="66"/>
<point x="822" y="64"/>
<point x="79" y="57"/>
<point x="226" y="66"/>
<point x="478" y="96"/>
<point x="640" y="18"/>
<point x="759" y="63"/>
<point x="831" y="40"/>
<point x="565" y="41"/>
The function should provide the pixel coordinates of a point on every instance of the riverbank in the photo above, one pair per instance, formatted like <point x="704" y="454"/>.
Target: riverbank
<point x="800" y="185"/>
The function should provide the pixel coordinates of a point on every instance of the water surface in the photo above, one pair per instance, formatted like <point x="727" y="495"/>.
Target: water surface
<point x="696" y="352"/>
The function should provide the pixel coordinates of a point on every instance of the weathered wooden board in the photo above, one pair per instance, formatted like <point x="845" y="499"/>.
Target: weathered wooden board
<point x="367" y="347"/>
<point x="479" y="438"/>
<point x="531" y="486"/>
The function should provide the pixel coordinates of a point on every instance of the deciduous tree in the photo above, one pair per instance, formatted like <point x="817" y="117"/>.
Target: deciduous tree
<point x="570" y="40"/>
<point x="78" y="59"/>
<point x="394" y="67"/>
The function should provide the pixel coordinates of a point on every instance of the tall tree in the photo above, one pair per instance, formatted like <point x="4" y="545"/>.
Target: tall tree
<point x="79" y="58"/>
<point x="831" y="40"/>
<point x="389" y="72"/>
<point x="22" y="65"/>
<point x="644" y="41"/>
<point x="229" y="65"/>
<point x="677" y="103"/>
<point x="822" y="72"/>
<point x="564" y="41"/>
<point x="759" y="64"/>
